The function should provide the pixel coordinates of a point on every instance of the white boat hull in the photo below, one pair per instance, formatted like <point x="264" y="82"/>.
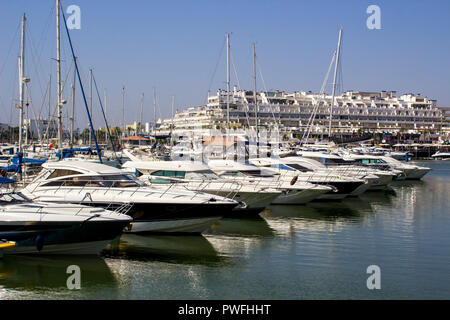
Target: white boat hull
<point x="252" y="200"/>
<point x="382" y="182"/>
<point x="299" y="197"/>
<point x="194" y="225"/>
<point x="416" y="173"/>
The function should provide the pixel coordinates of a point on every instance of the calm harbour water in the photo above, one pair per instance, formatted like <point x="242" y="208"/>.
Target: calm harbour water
<point x="317" y="251"/>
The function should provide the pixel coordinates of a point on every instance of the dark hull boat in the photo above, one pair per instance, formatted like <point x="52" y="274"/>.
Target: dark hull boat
<point x="48" y="228"/>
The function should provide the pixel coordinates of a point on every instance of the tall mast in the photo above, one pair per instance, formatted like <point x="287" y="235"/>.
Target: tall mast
<point x="228" y="81"/>
<point x="106" y="116"/>
<point x="49" y="109"/>
<point x="21" y="82"/>
<point x="73" y="105"/>
<point x="334" y="80"/>
<point x="154" y="110"/>
<point x="90" y="103"/>
<point x="254" y="92"/>
<point x="123" y="111"/>
<point x="173" y="115"/>
<point x="141" y="116"/>
<point x="58" y="77"/>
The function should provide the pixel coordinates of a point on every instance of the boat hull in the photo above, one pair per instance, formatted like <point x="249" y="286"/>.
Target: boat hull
<point x="382" y="182"/>
<point x="88" y="237"/>
<point x="299" y="197"/>
<point x="416" y="174"/>
<point x="251" y="202"/>
<point x="79" y="248"/>
<point x="173" y="217"/>
<point x="179" y="226"/>
<point x="342" y="189"/>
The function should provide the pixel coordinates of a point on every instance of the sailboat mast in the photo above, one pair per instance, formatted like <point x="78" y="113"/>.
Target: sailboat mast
<point x="254" y="92"/>
<point x="228" y="81"/>
<point x="123" y="111"/>
<point x="173" y="115"/>
<point x="49" y="119"/>
<point x="334" y="80"/>
<point x="21" y="82"/>
<point x="73" y="105"/>
<point x="154" y="110"/>
<point x="106" y="115"/>
<point x="90" y="103"/>
<point x="141" y="116"/>
<point x="58" y="77"/>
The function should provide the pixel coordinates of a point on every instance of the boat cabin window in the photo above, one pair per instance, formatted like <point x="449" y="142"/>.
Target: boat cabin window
<point x="116" y="181"/>
<point x="335" y="161"/>
<point x="62" y="172"/>
<point x="371" y="161"/>
<point x="201" y="175"/>
<point x="233" y="174"/>
<point x="256" y="173"/>
<point x="299" y="167"/>
<point x="13" y="197"/>
<point x="168" y="173"/>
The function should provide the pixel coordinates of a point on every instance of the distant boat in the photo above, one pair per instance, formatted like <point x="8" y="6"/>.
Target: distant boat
<point x="441" y="155"/>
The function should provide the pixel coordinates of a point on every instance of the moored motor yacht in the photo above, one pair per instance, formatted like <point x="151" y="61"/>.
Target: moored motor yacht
<point x="295" y="191"/>
<point x="52" y="228"/>
<point x="441" y="155"/>
<point x="169" y="210"/>
<point x="411" y="171"/>
<point x="197" y="176"/>
<point x="336" y="164"/>
<point x="342" y="186"/>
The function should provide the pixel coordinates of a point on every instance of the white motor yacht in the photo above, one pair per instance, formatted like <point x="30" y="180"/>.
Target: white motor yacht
<point x="441" y="155"/>
<point x="335" y="163"/>
<point x="342" y="186"/>
<point x="52" y="228"/>
<point x="411" y="171"/>
<point x="294" y="192"/>
<point x="197" y="176"/>
<point x="169" y="210"/>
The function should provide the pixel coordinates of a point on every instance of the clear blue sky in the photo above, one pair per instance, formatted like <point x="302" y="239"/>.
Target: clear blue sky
<point x="175" y="46"/>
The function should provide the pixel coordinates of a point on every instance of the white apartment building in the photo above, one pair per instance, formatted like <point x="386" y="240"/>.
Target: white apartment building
<point x="353" y="111"/>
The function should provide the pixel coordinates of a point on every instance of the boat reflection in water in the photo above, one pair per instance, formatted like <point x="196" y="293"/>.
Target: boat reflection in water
<point x="35" y="276"/>
<point x="164" y="248"/>
<point x="242" y="227"/>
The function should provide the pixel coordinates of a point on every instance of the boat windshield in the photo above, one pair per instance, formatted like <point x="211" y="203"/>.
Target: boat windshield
<point x="108" y="181"/>
<point x="372" y="161"/>
<point x="233" y="174"/>
<point x="299" y="167"/>
<point x="12" y="197"/>
<point x="201" y="175"/>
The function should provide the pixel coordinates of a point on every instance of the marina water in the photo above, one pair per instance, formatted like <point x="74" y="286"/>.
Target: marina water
<point x="316" y="251"/>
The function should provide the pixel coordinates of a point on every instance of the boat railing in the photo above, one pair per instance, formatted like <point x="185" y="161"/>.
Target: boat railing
<point x="123" y="208"/>
<point x="83" y="185"/>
